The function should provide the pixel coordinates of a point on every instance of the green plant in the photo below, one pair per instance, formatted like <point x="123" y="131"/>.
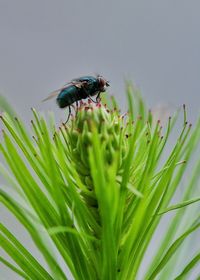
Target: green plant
<point x="94" y="191"/>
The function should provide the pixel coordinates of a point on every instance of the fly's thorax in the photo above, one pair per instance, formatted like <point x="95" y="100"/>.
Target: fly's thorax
<point x="94" y="85"/>
<point x="92" y="88"/>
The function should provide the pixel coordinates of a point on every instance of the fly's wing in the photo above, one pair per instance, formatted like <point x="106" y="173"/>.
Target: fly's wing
<point x="76" y="82"/>
<point x="52" y="94"/>
<point x="56" y="92"/>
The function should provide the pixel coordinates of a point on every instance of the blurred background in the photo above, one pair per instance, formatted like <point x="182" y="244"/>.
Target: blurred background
<point x="46" y="43"/>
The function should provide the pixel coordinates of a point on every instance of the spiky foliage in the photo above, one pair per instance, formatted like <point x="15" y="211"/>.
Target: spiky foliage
<point x="93" y="192"/>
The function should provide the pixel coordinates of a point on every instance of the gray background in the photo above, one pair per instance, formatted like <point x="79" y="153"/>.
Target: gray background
<point x="44" y="44"/>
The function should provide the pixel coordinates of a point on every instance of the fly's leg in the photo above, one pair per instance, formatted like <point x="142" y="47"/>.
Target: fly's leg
<point x="70" y="111"/>
<point x="76" y="107"/>
<point x="88" y="96"/>
<point x="98" y="99"/>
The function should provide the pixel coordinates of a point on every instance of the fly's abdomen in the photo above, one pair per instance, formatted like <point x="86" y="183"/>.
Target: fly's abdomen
<point x="68" y="96"/>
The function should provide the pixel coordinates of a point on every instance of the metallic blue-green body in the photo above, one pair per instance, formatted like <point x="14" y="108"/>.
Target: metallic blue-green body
<point x="73" y="92"/>
<point x="69" y="95"/>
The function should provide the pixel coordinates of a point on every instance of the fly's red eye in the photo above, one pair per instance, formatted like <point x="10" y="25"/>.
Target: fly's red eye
<point x="101" y="82"/>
